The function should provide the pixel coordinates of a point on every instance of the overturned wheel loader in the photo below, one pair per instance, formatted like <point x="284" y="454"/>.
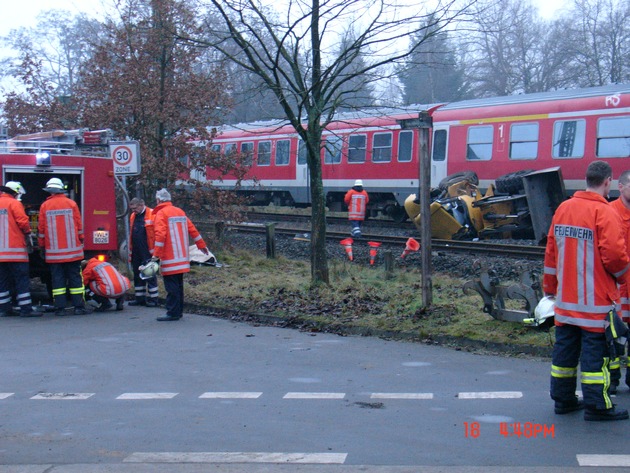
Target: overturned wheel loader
<point x="517" y="205"/>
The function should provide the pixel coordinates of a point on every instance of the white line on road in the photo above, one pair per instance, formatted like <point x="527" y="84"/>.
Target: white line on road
<point x="55" y="396"/>
<point x="491" y="395"/>
<point x="135" y="396"/>
<point x="603" y="460"/>
<point x="230" y="395"/>
<point x="235" y="457"/>
<point x="314" y="396"/>
<point x="5" y="395"/>
<point x="401" y="396"/>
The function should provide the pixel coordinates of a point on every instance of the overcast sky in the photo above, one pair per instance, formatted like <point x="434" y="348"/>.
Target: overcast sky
<point x="24" y="12"/>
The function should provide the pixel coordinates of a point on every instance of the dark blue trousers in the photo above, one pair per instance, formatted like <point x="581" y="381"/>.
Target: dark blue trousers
<point x="14" y="278"/>
<point x="174" y="285"/>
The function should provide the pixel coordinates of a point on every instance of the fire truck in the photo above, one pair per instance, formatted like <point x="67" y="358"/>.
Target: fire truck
<point x="81" y="159"/>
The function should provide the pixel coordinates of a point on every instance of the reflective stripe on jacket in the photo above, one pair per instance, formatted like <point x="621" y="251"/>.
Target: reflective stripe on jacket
<point x="586" y="253"/>
<point x="14" y="226"/>
<point x="104" y="279"/>
<point x="357" y="204"/>
<point x="624" y="285"/>
<point x="60" y="230"/>
<point x="172" y="232"/>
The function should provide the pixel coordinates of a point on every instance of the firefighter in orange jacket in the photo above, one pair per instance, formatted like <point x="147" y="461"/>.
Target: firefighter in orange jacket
<point x="103" y="282"/>
<point x="13" y="252"/>
<point x="622" y="206"/>
<point x="60" y="234"/>
<point x="356" y="199"/>
<point x="172" y="232"/>
<point x="585" y="255"/>
<point x="141" y="243"/>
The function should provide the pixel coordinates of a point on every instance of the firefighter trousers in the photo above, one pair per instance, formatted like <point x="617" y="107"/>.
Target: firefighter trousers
<point x="143" y="288"/>
<point x="14" y="278"/>
<point x="575" y="345"/>
<point x="67" y="277"/>
<point x="174" y="285"/>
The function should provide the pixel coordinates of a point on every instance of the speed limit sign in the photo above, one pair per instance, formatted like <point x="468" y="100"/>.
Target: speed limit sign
<point x="126" y="157"/>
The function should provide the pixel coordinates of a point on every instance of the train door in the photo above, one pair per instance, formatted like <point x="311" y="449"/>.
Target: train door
<point x="439" y="155"/>
<point x="302" y="175"/>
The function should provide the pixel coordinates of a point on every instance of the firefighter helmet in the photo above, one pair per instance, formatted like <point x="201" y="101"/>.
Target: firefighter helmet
<point x="358" y="183"/>
<point x="16" y="188"/>
<point x="54" y="186"/>
<point x="149" y="270"/>
<point x="544" y="310"/>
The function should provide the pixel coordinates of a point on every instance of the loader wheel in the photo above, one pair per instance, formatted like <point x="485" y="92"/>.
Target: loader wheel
<point x="454" y="178"/>
<point x="511" y="183"/>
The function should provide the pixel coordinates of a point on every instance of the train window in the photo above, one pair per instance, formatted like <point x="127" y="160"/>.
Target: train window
<point x="247" y="149"/>
<point x="613" y="137"/>
<point x="216" y="149"/>
<point x="333" y="150"/>
<point x="479" y="144"/>
<point x="405" y="143"/>
<point x="283" y="150"/>
<point x="524" y="141"/>
<point x="439" y="145"/>
<point x="382" y="148"/>
<point x="357" y="146"/>
<point x="301" y="152"/>
<point x="568" y="138"/>
<point x="264" y="153"/>
<point x="230" y="148"/>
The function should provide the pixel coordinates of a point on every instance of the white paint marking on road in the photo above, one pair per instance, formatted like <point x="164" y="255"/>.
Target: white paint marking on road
<point x="230" y="395"/>
<point x="491" y="395"/>
<point x="5" y="395"/>
<point x="64" y="396"/>
<point x="135" y="396"/>
<point x="401" y="396"/>
<point x="314" y="396"/>
<point x="603" y="460"/>
<point x="235" y="457"/>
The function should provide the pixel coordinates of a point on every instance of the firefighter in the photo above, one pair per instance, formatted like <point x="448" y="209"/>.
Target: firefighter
<point x="140" y="251"/>
<point x="172" y="232"/>
<point x="585" y="255"/>
<point x="60" y="235"/>
<point x="14" y="272"/>
<point x="356" y="199"/>
<point x="103" y="282"/>
<point x="622" y="206"/>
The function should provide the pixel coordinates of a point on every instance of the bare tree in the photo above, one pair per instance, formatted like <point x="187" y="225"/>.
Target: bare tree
<point x="272" y="46"/>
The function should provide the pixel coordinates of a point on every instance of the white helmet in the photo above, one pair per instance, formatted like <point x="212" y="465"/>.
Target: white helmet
<point x="544" y="310"/>
<point x="55" y="186"/>
<point x="149" y="270"/>
<point x="16" y="187"/>
<point x="358" y="183"/>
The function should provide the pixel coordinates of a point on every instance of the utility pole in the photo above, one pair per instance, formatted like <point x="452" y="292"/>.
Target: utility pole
<point x="423" y="124"/>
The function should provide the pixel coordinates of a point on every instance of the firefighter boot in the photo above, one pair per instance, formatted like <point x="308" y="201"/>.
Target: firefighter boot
<point x="613" y="413"/>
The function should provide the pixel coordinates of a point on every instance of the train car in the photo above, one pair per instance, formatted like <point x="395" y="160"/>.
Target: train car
<point x="370" y="146"/>
<point x="503" y="136"/>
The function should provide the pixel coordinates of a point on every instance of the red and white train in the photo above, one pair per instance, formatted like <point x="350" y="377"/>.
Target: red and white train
<point x="491" y="137"/>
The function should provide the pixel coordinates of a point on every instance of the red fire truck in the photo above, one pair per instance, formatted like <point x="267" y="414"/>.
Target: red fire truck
<point x="82" y="160"/>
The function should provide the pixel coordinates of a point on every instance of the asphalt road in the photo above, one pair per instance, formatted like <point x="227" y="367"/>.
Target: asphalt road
<point x="121" y="392"/>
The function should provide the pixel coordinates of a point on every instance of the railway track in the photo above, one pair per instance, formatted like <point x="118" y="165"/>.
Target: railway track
<point x="487" y="248"/>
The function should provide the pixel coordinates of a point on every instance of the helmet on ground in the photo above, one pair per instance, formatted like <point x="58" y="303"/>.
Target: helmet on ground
<point x="358" y="183"/>
<point x="544" y="310"/>
<point x="15" y="188"/>
<point x="54" y="186"/>
<point x="149" y="270"/>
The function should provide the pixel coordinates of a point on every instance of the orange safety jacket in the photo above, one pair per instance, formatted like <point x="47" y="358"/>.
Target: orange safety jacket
<point x="104" y="279"/>
<point x="585" y="254"/>
<point x="60" y="231"/>
<point x="357" y="204"/>
<point x="172" y="231"/>
<point x="148" y="226"/>
<point x="624" y="285"/>
<point x="14" y="226"/>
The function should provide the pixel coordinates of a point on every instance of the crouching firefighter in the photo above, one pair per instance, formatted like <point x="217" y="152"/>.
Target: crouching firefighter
<point x="103" y="282"/>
